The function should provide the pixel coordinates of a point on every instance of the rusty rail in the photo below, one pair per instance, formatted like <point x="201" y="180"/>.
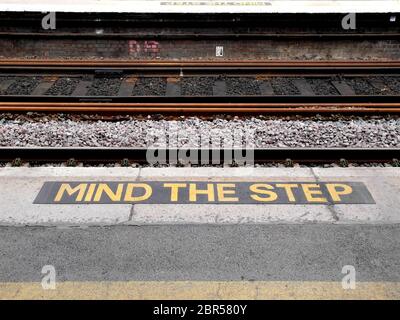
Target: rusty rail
<point x="207" y="63"/>
<point x="200" y="108"/>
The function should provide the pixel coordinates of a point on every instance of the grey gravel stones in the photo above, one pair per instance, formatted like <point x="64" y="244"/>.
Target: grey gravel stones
<point x="394" y="84"/>
<point x="362" y="87"/>
<point x="63" y="87"/>
<point x="150" y="87"/>
<point x="243" y="86"/>
<point x="284" y="86"/>
<point x="105" y="87"/>
<point x="355" y="132"/>
<point x="199" y="86"/>
<point x="23" y="86"/>
<point x="322" y="87"/>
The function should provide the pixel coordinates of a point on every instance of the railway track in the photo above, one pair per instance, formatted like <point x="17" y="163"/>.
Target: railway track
<point x="126" y="156"/>
<point x="377" y="77"/>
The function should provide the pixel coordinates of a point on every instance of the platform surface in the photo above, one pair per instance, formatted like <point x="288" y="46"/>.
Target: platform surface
<point x="62" y="196"/>
<point x="204" y="6"/>
<point x="158" y="250"/>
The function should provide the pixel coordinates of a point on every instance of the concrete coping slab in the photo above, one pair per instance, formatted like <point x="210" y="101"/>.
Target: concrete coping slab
<point x="19" y="187"/>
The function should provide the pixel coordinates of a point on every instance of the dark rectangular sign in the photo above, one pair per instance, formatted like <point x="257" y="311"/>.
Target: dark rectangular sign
<point x="203" y="192"/>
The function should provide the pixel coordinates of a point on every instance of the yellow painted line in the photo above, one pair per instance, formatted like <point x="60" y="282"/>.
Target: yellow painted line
<point x="201" y="290"/>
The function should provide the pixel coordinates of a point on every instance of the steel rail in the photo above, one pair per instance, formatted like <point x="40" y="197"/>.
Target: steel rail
<point x="139" y="155"/>
<point x="180" y="72"/>
<point x="113" y="68"/>
<point x="229" y="100"/>
<point x="177" y="69"/>
<point x="201" y="108"/>
<point x="187" y="63"/>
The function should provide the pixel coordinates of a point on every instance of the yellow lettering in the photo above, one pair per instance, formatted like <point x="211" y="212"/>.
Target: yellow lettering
<point x="105" y="188"/>
<point x="193" y="192"/>
<point x="65" y="187"/>
<point x="175" y="189"/>
<point x="148" y="191"/>
<point x="222" y="192"/>
<point x="310" y="193"/>
<point x="289" y="190"/>
<point x="260" y="188"/>
<point x="90" y="192"/>
<point x="338" y="189"/>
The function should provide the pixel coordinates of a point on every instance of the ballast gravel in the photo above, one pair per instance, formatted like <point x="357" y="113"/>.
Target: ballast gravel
<point x="63" y="87"/>
<point x="23" y="86"/>
<point x="284" y="86"/>
<point x="105" y="87"/>
<point x="322" y="87"/>
<point x="200" y="86"/>
<point x="150" y="87"/>
<point x="362" y="87"/>
<point x="243" y="86"/>
<point x="191" y="132"/>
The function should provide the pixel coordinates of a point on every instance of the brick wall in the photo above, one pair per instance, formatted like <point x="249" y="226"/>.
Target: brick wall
<point x="150" y="49"/>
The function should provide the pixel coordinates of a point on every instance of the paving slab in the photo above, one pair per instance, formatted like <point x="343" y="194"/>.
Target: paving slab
<point x="215" y="172"/>
<point x="383" y="184"/>
<point x="20" y="186"/>
<point x="143" y="214"/>
<point x="239" y="196"/>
